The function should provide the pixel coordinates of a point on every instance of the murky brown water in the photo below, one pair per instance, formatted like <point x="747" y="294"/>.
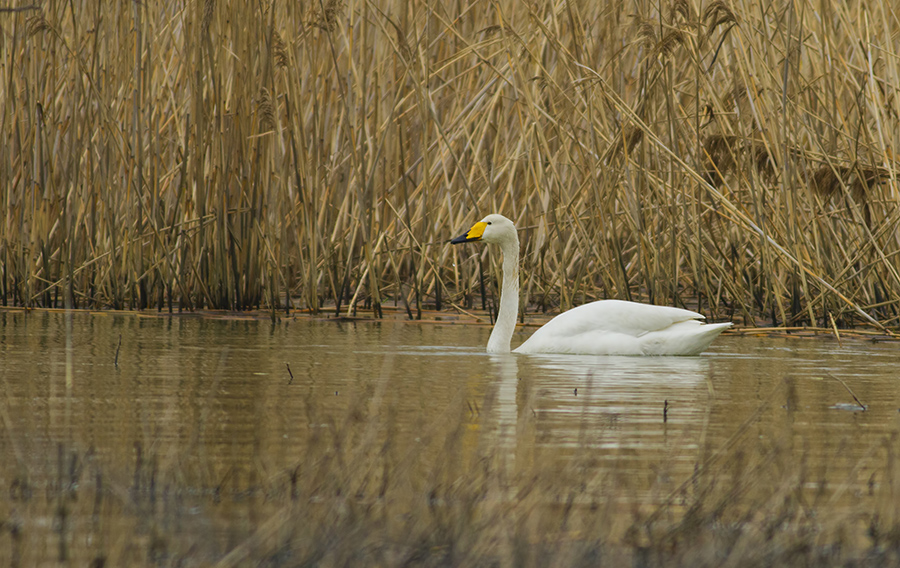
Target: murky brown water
<point x="195" y="426"/>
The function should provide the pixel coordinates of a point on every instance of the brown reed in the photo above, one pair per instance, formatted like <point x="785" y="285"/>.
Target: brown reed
<point x="228" y="155"/>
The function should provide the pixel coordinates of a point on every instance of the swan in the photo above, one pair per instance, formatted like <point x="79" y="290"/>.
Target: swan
<point x="604" y="327"/>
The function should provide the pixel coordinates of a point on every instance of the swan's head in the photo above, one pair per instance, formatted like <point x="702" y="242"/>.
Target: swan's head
<point x="494" y="228"/>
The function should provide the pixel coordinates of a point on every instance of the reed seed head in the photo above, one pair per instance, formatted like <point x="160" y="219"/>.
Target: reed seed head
<point x="37" y="24"/>
<point x="266" y="110"/>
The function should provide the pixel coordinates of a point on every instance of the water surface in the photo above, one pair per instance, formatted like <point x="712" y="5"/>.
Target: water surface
<point x="199" y="426"/>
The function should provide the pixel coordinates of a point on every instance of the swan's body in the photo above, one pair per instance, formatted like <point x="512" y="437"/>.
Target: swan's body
<point x="606" y="327"/>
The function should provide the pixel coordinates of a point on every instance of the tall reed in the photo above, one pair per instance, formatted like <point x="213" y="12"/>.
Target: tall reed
<point x="735" y="157"/>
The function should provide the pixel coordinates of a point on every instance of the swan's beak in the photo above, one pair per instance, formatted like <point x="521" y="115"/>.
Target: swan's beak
<point x="474" y="234"/>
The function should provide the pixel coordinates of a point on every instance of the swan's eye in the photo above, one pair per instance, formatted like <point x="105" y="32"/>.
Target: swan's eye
<point x="488" y="222"/>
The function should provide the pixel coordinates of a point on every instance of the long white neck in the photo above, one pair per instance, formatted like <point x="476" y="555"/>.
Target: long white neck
<point x="509" y="298"/>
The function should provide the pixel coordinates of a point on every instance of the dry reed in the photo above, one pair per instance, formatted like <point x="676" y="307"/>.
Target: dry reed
<point x="313" y="155"/>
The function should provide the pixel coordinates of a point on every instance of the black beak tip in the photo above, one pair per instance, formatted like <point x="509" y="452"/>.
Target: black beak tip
<point x="458" y="240"/>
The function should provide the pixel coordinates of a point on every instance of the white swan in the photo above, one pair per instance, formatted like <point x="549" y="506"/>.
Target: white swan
<point x="605" y="327"/>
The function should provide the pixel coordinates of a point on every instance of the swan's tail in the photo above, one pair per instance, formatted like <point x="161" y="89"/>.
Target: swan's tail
<point x="689" y="337"/>
<point x="706" y="333"/>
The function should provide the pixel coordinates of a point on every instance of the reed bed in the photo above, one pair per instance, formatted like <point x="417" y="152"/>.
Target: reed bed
<point x="733" y="157"/>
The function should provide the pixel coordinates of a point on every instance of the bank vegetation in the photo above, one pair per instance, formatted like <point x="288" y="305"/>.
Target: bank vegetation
<point x="736" y="158"/>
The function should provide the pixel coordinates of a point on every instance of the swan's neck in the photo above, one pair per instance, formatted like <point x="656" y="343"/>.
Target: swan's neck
<point x="509" y="299"/>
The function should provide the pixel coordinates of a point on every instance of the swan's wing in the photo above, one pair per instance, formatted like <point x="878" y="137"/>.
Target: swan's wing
<point x="616" y="316"/>
<point x="625" y="328"/>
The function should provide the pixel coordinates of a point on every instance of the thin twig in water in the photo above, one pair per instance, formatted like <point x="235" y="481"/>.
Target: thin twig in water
<point x="288" y="365"/>
<point x="861" y="405"/>
<point x="119" y="346"/>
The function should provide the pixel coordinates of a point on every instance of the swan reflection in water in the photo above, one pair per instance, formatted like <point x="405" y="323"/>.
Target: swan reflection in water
<point x="604" y="402"/>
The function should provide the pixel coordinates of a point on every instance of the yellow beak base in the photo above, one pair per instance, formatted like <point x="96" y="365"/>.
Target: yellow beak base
<point x="474" y="234"/>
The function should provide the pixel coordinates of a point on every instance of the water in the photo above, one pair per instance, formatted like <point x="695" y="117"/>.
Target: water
<point x="198" y="426"/>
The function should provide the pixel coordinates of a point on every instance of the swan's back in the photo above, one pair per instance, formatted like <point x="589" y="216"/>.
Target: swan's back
<point x="615" y="327"/>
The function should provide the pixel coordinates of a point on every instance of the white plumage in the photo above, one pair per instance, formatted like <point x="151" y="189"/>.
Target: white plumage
<point x="605" y="327"/>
